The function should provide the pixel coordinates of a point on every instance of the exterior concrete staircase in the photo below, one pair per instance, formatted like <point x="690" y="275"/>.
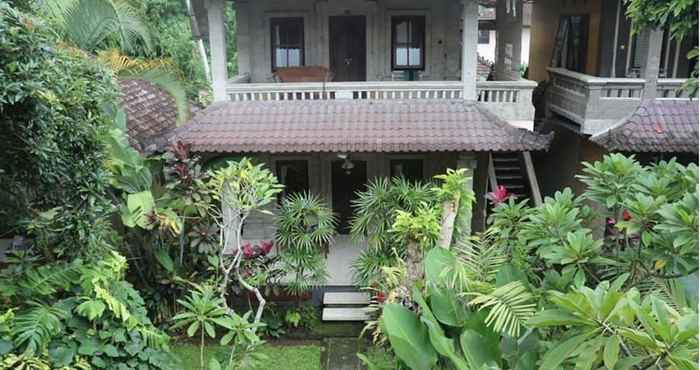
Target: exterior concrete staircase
<point x="346" y="306"/>
<point x="515" y="171"/>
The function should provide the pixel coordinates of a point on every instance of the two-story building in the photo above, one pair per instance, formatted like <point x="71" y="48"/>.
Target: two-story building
<point x="609" y="88"/>
<point x="332" y="93"/>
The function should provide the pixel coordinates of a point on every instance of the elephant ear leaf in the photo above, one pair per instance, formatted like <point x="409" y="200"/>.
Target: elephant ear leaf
<point x="437" y="262"/>
<point x="447" y="308"/>
<point x="443" y="345"/>
<point x="408" y="337"/>
<point x="478" y="349"/>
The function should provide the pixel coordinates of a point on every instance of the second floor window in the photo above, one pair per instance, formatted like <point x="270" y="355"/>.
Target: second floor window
<point x="287" y="40"/>
<point x="408" y="42"/>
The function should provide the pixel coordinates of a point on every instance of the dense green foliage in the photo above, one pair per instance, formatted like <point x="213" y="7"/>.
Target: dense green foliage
<point x="72" y="313"/>
<point x="680" y="17"/>
<point x="541" y="288"/>
<point x="52" y="115"/>
<point x="374" y="215"/>
<point x="64" y="301"/>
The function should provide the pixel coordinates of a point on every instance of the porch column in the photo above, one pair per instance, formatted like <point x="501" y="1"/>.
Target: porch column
<point x="467" y="161"/>
<point x="243" y="43"/>
<point x="470" y="38"/>
<point x="509" y="29"/>
<point x="217" y="44"/>
<point x="652" y="61"/>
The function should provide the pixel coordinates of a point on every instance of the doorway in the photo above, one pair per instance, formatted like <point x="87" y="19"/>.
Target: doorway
<point x="345" y="183"/>
<point x="348" y="47"/>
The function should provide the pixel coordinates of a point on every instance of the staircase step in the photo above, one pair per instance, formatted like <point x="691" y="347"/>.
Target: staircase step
<point x="506" y="159"/>
<point x="346" y="314"/>
<point x="507" y="168"/>
<point x="508" y="177"/>
<point x="346" y="298"/>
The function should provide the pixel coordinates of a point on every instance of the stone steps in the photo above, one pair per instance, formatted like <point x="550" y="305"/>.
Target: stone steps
<point x="346" y="306"/>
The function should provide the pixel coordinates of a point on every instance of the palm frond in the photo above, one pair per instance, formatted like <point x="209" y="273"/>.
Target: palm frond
<point x="132" y="26"/>
<point x="671" y="291"/>
<point x="510" y="305"/>
<point x="479" y="261"/>
<point x="91" y="24"/>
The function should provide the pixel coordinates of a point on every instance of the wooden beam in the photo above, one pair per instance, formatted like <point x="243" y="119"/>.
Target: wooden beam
<point x="532" y="178"/>
<point x="492" y="174"/>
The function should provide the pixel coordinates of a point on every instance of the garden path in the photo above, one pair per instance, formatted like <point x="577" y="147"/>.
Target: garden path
<point x="341" y="354"/>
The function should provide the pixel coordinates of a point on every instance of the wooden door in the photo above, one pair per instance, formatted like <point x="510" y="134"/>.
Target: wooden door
<point x="348" y="47"/>
<point x="345" y="185"/>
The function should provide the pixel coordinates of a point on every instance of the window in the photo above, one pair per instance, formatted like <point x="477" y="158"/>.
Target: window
<point x="484" y="36"/>
<point x="408" y="42"/>
<point x="294" y="175"/>
<point x="287" y="40"/>
<point x="409" y="169"/>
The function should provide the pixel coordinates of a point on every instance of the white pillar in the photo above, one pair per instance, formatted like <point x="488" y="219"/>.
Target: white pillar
<point x="470" y="31"/>
<point x="243" y="41"/>
<point x="217" y="44"/>
<point x="652" y="62"/>
<point x="509" y="29"/>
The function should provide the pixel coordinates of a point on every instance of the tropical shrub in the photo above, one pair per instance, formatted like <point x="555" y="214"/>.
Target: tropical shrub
<point x="74" y="314"/>
<point x="374" y="215"/>
<point x="552" y="287"/>
<point x="53" y="116"/>
<point x="239" y="189"/>
<point x="164" y="227"/>
<point x="205" y="312"/>
<point x="305" y="230"/>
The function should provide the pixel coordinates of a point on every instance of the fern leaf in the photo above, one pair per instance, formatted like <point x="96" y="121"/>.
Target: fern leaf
<point x="35" y="327"/>
<point x="510" y="305"/>
<point x="48" y="279"/>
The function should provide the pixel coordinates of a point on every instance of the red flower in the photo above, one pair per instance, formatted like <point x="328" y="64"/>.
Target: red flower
<point x="266" y="246"/>
<point x="380" y="297"/>
<point x="626" y="215"/>
<point x="499" y="196"/>
<point x="180" y="150"/>
<point x="248" y="251"/>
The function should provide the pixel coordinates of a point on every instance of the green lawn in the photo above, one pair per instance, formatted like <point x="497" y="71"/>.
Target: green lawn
<point x="297" y="357"/>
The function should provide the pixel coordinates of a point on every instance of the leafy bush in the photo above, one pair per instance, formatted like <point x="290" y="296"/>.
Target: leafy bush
<point x="53" y="116"/>
<point x="551" y="288"/>
<point x="375" y="213"/>
<point x="71" y="313"/>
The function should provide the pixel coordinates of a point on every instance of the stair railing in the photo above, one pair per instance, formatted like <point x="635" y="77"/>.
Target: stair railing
<point x="532" y="179"/>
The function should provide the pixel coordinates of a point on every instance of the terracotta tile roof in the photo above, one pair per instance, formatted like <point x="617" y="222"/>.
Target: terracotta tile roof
<point x="150" y="112"/>
<point x="353" y="126"/>
<point x="656" y="126"/>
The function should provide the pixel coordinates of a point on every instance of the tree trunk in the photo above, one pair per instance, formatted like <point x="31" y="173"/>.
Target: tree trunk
<point x="449" y="214"/>
<point x="414" y="262"/>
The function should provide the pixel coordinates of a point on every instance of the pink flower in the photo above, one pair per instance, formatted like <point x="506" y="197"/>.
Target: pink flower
<point x="611" y="221"/>
<point x="266" y="246"/>
<point x="248" y="251"/>
<point x="499" y="196"/>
